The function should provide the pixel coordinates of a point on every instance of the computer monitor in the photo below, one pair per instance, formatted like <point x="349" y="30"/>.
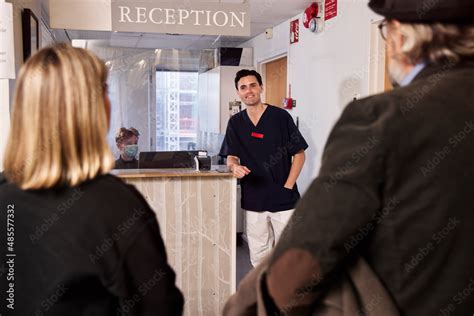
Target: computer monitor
<point x="167" y="159"/>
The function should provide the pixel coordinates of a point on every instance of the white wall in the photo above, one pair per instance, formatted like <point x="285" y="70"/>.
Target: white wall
<point x="6" y="85"/>
<point x="4" y="117"/>
<point x="18" y="6"/>
<point x="4" y="104"/>
<point x="325" y="71"/>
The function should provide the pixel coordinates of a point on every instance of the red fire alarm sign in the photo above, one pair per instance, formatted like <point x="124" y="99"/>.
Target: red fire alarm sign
<point x="330" y="9"/>
<point x="294" y="31"/>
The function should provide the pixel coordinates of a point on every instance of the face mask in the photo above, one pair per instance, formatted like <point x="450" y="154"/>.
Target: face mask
<point x="130" y="151"/>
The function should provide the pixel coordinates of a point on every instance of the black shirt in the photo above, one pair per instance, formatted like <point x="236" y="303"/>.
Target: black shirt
<point x="91" y="250"/>
<point x="267" y="150"/>
<point x="123" y="164"/>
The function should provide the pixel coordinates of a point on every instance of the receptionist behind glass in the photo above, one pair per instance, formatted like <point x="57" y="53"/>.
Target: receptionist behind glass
<point x="127" y="140"/>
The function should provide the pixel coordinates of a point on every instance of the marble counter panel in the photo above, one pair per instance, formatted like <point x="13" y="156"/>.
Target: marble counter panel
<point x="197" y="218"/>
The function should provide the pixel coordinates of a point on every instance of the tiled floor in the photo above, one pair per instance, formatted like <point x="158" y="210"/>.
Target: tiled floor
<point x="243" y="260"/>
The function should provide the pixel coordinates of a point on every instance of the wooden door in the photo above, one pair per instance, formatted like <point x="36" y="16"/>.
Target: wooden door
<point x="275" y="81"/>
<point x="387" y="82"/>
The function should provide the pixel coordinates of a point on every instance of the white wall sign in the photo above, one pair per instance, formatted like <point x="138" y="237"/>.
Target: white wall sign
<point x="177" y="18"/>
<point x="7" y="53"/>
<point x="90" y="15"/>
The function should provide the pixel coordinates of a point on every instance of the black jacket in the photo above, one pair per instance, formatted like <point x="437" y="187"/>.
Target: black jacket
<point x="91" y="250"/>
<point x="122" y="164"/>
<point x="396" y="186"/>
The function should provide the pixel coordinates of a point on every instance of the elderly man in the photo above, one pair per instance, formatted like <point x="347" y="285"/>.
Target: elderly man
<point x="394" y="197"/>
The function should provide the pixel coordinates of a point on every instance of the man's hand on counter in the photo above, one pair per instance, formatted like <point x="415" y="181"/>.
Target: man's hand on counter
<point x="239" y="171"/>
<point x="234" y="166"/>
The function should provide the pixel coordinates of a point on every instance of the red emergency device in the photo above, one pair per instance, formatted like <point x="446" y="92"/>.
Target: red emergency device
<point x="310" y="13"/>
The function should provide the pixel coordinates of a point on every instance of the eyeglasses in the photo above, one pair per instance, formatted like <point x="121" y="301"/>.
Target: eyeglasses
<point x="383" y="29"/>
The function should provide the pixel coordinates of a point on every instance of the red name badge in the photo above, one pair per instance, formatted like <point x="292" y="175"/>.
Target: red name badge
<point x="257" y="135"/>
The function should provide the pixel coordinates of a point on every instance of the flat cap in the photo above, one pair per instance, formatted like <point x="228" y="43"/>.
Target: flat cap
<point x="425" y="11"/>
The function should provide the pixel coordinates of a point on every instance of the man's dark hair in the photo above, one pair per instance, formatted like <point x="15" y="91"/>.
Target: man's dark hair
<point x="244" y="73"/>
<point x="125" y="133"/>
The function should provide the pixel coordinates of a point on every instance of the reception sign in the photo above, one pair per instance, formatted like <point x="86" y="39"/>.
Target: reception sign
<point x="181" y="18"/>
<point x="7" y="53"/>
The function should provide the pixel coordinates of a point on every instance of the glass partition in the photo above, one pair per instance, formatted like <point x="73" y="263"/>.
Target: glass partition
<point x="176" y="110"/>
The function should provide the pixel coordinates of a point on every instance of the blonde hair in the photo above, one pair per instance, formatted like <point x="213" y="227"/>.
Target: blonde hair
<point x="437" y="43"/>
<point x="59" y="120"/>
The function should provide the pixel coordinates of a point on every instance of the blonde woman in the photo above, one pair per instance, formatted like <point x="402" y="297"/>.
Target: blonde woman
<point x="74" y="247"/>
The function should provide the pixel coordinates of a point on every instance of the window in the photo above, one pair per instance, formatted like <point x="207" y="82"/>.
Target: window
<point x="176" y="110"/>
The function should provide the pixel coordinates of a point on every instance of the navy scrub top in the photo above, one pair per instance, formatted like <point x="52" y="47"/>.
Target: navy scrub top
<point x="267" y="150"/>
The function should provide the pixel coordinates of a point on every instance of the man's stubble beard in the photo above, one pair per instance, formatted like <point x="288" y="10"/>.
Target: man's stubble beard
<point x="254" y="103"/>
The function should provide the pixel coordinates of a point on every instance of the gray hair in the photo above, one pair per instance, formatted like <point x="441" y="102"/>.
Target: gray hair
<point x="438" y="43"/>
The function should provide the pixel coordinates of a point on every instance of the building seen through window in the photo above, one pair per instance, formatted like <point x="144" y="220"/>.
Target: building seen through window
<point x="176" y="110"/>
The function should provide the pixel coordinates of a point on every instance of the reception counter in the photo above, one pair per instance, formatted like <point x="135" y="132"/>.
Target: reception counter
<point x="196" y="212"/>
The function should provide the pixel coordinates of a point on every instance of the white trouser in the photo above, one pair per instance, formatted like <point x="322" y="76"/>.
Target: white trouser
<point x="263" y="230"/>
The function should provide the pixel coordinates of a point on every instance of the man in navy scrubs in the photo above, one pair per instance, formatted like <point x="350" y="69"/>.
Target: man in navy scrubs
<point x="266" y="151"/>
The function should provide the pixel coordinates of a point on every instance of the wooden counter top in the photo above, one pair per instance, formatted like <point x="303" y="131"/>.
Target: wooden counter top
<point x="154" y="173"/>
